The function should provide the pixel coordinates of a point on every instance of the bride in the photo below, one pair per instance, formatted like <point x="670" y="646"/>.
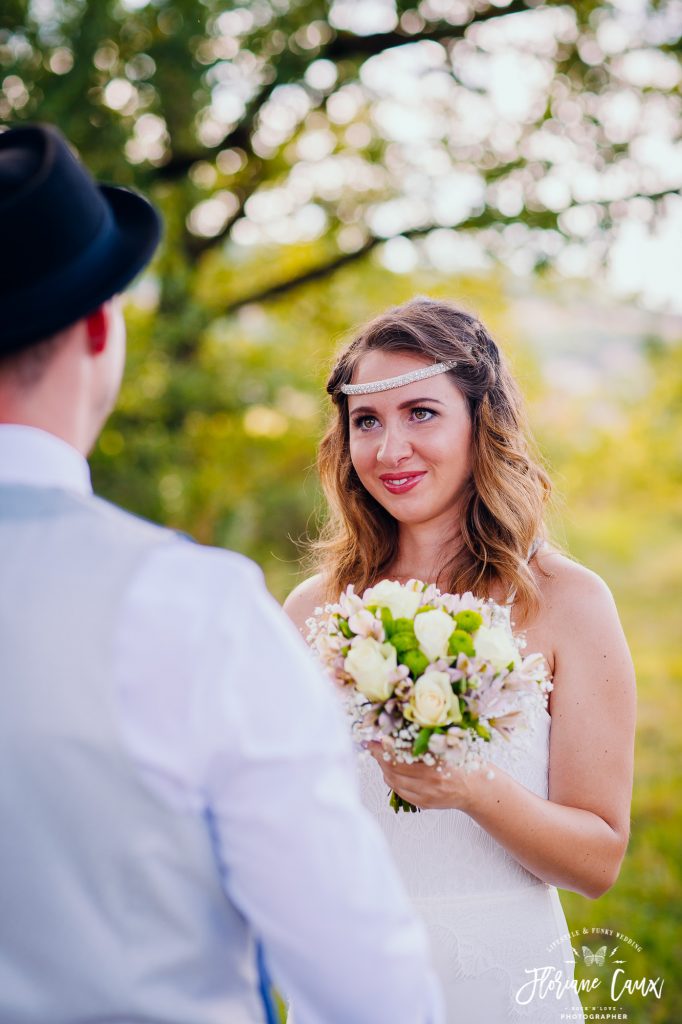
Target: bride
<point x="428" y="475"/>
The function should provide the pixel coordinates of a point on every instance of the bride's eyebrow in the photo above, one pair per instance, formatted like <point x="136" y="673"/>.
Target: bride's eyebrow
<point x="369" y="409"/>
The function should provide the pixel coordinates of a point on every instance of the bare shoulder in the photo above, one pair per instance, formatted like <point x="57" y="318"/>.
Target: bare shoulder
<point x="567" y="587"/>
<point x="304" y="599"/>
<point x="580" y="630"/>
<point x="578" y="612"/>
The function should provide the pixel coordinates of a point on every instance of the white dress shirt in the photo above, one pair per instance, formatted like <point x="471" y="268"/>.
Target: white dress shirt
<point x="201" y="650"/>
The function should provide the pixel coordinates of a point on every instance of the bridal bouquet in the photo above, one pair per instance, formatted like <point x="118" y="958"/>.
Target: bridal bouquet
<point x="432" y="676"/>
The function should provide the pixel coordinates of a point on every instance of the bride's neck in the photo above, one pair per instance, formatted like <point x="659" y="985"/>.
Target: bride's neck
<point x="423" y="551"/>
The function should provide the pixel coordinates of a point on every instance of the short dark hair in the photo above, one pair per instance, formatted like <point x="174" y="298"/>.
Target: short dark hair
<point x="28" y="365"/>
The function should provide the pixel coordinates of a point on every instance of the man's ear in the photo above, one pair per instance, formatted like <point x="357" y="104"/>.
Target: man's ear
<point x="97" y="327"/>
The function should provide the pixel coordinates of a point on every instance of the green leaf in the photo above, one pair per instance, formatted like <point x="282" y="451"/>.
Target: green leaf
<point x="345" y="629"/>
<point x="403" y="626"/>
<point x="421" y="744"/>
<point x="388" y="622"/>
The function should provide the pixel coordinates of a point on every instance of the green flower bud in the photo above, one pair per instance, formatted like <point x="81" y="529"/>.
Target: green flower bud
<point x="404" y="642"/>
<point x="468" y="621"/>
<point x="461" y="643"/>
<point x="415" y="661"/>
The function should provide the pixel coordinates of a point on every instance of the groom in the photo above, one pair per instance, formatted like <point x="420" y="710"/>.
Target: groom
<point x="177" y="805"/>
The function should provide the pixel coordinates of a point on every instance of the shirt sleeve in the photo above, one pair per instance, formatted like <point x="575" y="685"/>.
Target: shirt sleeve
<point x="226" y="713"/>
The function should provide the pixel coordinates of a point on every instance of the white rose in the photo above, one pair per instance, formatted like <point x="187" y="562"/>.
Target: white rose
<point x="372" y="666"/>
<point x="433" y="702"/>
<point x="401" y="601"/>
<point x="496" y="646"/>
<point x="433" y="629"/>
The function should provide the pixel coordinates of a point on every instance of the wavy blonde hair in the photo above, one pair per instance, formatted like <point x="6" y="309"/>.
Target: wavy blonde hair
<point x="502" y="509"/>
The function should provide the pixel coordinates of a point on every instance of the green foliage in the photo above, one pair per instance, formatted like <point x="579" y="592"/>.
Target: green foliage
<point x="623" y="504"/>
<point x="421" y="743"/>
<point x="387" y="622"/>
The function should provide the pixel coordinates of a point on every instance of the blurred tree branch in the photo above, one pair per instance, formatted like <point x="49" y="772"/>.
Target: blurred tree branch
<point x="541" y="219"/>
<point x="207" y="109"/>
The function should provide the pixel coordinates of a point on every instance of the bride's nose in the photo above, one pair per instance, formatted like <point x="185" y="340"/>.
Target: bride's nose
<point x="394" y="448"/>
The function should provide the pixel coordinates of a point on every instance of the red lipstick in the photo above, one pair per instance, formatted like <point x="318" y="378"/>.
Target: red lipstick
<point x="401" y="481"/>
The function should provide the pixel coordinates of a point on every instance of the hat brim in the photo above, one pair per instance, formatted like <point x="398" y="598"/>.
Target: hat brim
<point x="56" y="302"/>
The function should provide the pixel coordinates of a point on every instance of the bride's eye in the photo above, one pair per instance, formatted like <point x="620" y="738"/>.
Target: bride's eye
<point x="364" y="422"/>
<point x="423" y="415"/>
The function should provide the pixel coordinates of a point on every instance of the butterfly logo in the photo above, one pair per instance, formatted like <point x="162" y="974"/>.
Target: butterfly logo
<point x="597" y="958"/>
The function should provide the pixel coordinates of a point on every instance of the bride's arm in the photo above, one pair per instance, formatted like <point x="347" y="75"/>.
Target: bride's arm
<point x="577" y="838"/>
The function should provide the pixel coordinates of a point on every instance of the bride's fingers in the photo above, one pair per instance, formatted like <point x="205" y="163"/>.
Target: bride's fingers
<point x="411" y="771"/>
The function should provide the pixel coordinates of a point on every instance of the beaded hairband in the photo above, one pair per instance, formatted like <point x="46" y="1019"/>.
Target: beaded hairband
<point x="398" y="382"/>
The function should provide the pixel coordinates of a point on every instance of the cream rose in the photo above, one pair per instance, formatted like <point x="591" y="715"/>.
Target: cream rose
<point x="433" y="702"/>
<point x="433" y="629"/>
<point x="496" y="646"/>
<point x="372" y="666"/>
<point x="401" y="601"/>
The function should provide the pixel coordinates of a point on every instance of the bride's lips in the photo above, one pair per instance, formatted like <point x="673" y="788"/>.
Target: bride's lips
<point x="399" y="483"/>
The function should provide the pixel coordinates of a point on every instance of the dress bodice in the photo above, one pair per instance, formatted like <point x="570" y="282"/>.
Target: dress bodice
<point x="489" y="920"/>
<point x="435" y="847"/>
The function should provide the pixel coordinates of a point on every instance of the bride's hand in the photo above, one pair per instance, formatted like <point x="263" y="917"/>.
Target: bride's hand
<point x="428" y="787"/>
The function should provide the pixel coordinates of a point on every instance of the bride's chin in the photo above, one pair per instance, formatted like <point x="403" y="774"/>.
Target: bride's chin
<point x="408" y="517"/>
<point x="401" y="511"/>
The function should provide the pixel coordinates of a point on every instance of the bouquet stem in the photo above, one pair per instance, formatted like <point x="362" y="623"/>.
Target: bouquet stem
<point x="398" y="804"/>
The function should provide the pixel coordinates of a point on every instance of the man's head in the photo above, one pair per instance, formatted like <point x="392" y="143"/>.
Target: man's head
<point x="68" y="246"/>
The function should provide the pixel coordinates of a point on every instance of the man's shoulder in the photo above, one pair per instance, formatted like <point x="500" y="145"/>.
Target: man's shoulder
<point x="107" y="513"/>
<point x="182" y="565"/>
<point x="175" y="557"/>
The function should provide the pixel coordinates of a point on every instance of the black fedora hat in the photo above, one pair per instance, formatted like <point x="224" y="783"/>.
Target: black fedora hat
<point x="67" y="243"/>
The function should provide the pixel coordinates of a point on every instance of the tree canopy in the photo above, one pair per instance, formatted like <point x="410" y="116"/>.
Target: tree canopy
<point x="310" y="132"/>
<point x="284" y="141"/>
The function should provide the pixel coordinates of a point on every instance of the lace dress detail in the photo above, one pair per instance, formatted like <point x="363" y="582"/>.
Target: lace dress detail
<point x="489" y="920"/>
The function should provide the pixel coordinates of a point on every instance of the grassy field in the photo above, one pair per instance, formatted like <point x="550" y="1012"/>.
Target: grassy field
<point x="645" y="902"/>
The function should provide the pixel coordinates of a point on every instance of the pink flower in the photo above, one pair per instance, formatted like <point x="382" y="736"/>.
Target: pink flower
<point x="508" y="723"/>
<point x="363" y="623"/>
<point x="349" y="602"/>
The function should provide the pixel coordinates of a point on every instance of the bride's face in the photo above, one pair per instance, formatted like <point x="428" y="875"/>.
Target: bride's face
<point x="410" y="446"/>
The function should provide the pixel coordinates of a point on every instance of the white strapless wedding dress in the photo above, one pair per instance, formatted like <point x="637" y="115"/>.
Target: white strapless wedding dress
<point x="490" y="922"/>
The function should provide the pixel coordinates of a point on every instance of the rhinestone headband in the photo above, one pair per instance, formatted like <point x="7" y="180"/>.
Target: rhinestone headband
<point x="397" y="382"/>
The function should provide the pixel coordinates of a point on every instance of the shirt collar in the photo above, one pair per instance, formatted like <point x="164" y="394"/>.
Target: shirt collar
<point x="39" y="459"/>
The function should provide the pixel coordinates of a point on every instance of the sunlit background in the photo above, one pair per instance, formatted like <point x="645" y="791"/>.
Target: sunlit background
<point x="317" y="162"/>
